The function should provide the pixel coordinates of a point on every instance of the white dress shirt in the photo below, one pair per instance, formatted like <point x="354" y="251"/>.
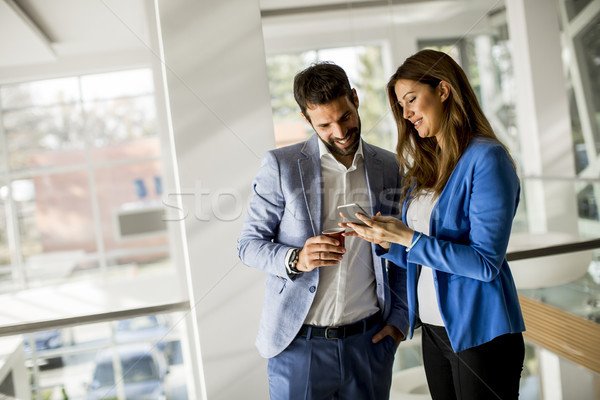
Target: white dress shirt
<point x="346" y="291"/>
<point x="418" y="217"/>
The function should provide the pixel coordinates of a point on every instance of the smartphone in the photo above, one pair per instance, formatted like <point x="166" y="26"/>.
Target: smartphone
<point x="350" y="210"/>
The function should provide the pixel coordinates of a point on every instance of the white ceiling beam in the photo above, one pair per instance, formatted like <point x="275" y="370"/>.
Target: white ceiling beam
<point x="27" y="43"/>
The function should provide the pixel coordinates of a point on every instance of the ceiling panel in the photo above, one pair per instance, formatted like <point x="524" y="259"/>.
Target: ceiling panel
<point x="282" y="4"/>
<point x="21" y="41"/>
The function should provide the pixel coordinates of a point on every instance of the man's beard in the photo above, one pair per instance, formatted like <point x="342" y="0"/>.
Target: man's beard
<point x="353" y="134"/>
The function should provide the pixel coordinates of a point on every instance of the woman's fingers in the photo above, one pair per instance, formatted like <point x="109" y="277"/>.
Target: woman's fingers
<point x="360" y="229"/>
<point x="364" y="219"/>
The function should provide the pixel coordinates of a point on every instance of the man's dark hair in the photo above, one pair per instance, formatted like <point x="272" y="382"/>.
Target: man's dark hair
<point x="319" y="84"/>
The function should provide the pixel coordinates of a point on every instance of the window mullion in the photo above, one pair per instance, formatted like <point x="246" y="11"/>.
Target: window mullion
<point x="12" y="222"/>
<point x="101" y="251"/>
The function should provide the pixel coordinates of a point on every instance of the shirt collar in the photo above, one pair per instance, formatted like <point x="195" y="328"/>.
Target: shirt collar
<point x="324" y="151"/>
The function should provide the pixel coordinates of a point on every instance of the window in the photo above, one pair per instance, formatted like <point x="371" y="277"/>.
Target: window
<point x="486" y="60"/>
<point x="581" y="61"/>
<point x="364" y="66"/>
<point x="79" y="153"/>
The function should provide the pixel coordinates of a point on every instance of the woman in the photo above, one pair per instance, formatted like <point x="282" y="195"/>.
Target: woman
<point x="460" y="194"/>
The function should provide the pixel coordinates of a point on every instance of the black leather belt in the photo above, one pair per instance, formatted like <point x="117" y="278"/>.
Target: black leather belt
<point x="340" y="332"/>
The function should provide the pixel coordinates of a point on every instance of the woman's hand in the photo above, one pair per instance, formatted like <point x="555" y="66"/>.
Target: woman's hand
<point x="380" y="230"/>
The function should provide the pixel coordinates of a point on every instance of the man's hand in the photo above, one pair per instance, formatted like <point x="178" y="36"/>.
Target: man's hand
<point x="319" y="251"/>
<point x="388" y="330"/>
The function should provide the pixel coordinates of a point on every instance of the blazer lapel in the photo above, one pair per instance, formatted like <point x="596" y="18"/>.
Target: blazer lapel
<point x="312" y="182"/>
<point x="374" y="173"/>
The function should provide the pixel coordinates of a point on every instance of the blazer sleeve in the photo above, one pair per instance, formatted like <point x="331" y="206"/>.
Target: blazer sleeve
<point x="397" y="279"/>
<point x="494" y="196"/>
<point x="256" y="246"/>
<point x="399" y="312"/>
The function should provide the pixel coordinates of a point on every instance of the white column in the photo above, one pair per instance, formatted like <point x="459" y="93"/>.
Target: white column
<point x="561" y="379"/>
<point x="189" y="347"/>
<point x="543" y="115"/>
<point x="549" y="375"/>
<point x="221" y="124"/>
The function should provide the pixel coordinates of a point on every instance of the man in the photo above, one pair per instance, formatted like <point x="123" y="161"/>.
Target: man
<point x="332" y="315"/>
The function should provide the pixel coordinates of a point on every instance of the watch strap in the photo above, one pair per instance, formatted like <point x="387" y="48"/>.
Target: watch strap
<point x="291" y="260"/>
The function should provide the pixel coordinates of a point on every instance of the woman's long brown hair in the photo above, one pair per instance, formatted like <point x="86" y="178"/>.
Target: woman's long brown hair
<point x="422" y="162"/>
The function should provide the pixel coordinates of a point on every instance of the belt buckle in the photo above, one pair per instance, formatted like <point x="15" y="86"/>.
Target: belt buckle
<point x="327" y="333"/>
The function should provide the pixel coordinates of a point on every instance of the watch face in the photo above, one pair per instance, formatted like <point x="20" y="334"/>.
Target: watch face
<point x="293" y="260"/>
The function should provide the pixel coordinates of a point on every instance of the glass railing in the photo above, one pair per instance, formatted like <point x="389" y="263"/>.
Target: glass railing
<point x="136" y="357"/>
<point x="554" y="250"/>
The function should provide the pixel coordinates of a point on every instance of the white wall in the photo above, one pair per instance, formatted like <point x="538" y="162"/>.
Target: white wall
<point x="221" y="119"/>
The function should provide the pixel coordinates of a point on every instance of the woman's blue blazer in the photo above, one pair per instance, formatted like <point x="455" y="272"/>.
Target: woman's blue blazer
<point x="469" y="231"/>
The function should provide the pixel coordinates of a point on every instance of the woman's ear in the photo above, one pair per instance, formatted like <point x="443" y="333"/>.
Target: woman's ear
<point x="444" y="90"/>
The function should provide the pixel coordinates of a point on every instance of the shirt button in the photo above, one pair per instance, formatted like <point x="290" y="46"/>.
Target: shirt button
<point x="312" y="289"/>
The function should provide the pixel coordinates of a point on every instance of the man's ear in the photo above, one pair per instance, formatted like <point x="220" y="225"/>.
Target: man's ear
<point x="355" y="98"/>
<point x="444" y="90"/>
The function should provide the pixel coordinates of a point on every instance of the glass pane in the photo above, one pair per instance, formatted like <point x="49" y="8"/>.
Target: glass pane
<point x="569" y="281"/>
<point x="281" y="70"/>
<point x="134" y="230"/>
<point x="77" y="362"/>
<point x="364" y="66"/>
<point x="370" y="84"/>
<point x="574" y="7"/>
<point x="487" y="62"/>
<point x="112" y="122"/>
<point x="587" y="47"/>
<point x="452" y="47"/>
<point x="55" y="221"/>
<point x="578" y="202"/>
<point x="44" y="136"/>
<point x="289" y="126"/>
<point x="117" y="84"/>
<point x="40" y="93"/>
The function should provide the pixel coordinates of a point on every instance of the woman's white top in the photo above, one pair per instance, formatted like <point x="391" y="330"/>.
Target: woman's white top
<point x="418" y="217"/>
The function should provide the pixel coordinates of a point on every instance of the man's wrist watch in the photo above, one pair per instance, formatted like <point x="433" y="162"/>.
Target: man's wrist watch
<point x="293" y="262"/>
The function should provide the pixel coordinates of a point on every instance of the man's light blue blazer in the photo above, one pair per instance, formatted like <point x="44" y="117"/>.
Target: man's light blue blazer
<point x="286" y="210"/>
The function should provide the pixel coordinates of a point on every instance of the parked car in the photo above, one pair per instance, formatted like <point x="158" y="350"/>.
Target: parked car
<point x="143" y="374"/>
<point x="44" y="340"/>
<point x="152" y="329"/>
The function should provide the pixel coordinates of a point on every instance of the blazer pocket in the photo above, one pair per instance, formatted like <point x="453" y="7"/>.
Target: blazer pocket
<point x="275" y="283"/>
<point x="283" y="285"/>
